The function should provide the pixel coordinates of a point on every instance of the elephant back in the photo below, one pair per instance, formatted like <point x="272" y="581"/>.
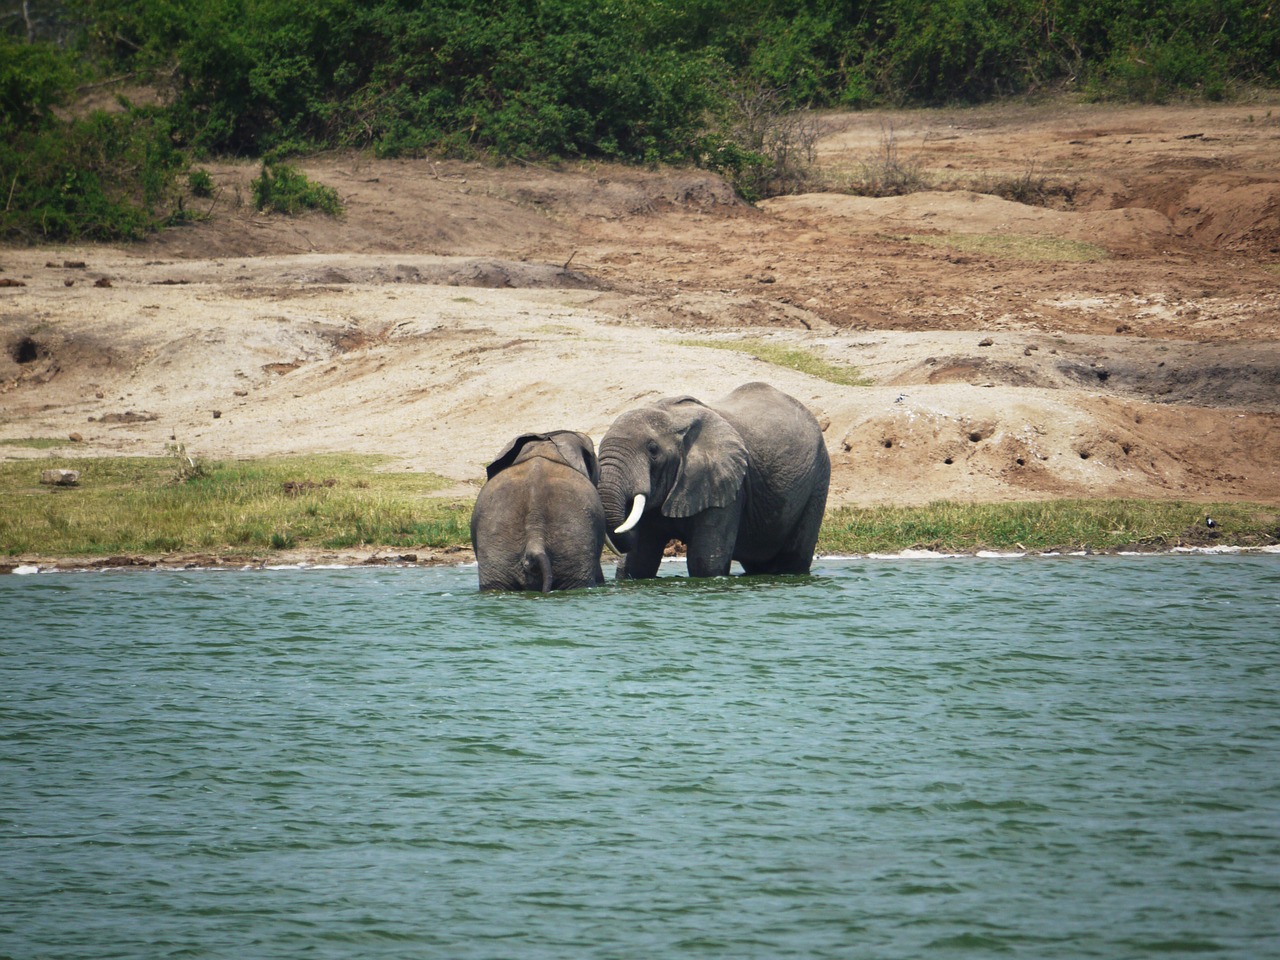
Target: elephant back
<point x="569" y="447"/>
<point x="783" y="438"/>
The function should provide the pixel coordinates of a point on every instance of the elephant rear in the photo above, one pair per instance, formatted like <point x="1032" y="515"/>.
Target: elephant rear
<point x="538" y="523"/>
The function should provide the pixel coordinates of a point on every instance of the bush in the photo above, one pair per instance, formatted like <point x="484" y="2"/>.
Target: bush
<point x="761" y="145"/>
<point x="283" y="189"/>
<point x="1158" y="73"/>
<point x="104" y="177"/>
<point x="887" y="173"/>
<point x="34" y="78"/>
<point x="200" y="184"/>
<point x="717" y="82"/>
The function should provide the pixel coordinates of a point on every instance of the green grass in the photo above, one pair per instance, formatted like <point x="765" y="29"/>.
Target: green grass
<point x="138" y="506"/>
<point x="132" y="505"/>
<point x="36" y="443"/>
<point x="1045" y="526"/>
<point x="792" y="358"/>
<point x="1014" y="247"/>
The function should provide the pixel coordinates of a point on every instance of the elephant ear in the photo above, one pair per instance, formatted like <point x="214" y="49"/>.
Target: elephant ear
<point x="511" y="452"/>
<point x="714" y="461"/>
<point x="578" y="452"/>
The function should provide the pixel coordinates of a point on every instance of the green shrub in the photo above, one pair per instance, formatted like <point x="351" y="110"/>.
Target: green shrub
<point x="200" y="184"/>
<point x="634" y="80"/>
<point x="1159" y="72"/>
<point x="34" y="78"/>
<point x="103" y="177"/>
<point x="283" y="189"/>
<point x="761" y="144"/>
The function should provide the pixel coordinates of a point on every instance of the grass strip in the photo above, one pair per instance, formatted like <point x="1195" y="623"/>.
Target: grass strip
<point x="160" y="505"/>
<point x="1010" y="246"/>
<point x="132" y="505"/>
<point x="1043" y="526"/>
<point x="793" y="358"/>
<point x="37" y="443"/>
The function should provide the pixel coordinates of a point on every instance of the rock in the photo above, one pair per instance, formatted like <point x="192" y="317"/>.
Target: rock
<point x="102" y="282"/>
<point x="217" y="414"/>
<point x="75" y="438"/>
<point x="985" y="342"/>
<point x="60" y="478"/>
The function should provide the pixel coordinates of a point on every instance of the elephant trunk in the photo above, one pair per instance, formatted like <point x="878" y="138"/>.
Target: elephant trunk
<point x="617" y="540"/>
<point x="620" y="505"/>
<point x="637" y="510"/>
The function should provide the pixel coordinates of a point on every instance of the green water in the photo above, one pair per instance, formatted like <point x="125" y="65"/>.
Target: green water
<point x="1070" y="757"/>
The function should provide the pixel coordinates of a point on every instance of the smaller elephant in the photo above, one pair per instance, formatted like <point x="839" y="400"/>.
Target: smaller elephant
<point x="538" y="523"/>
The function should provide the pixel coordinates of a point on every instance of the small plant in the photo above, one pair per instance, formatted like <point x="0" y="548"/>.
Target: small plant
<point x="888" y="173"/>
<point x="1030" y="187"/>
<point x="186" y="467"/>
<point x="284" y="189"/>
<point x="762" y="146"/>
<point x="200" y="183"/>
<point x="283" y="540"/>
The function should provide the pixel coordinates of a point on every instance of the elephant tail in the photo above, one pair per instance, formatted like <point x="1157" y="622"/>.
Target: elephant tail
<point x="537" y="568"/>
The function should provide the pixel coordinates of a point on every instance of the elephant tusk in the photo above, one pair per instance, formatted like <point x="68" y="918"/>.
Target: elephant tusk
<point x="613" y="547"/>
<point x="633" y="518"/>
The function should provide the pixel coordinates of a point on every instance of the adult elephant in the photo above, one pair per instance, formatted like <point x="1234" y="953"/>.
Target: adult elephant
<point x="744" y="479"/>
<point x="538" y="523"/>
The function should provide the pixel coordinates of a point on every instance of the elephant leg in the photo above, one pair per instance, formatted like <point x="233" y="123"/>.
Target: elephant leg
<point x="711" y="542"/>
<point x="641" y="561"/>
<point x="709" y="563"/>
<point x="796" y="555"/>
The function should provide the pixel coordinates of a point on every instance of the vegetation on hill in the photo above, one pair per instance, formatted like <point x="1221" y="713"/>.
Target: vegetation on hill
<point x="700" y="81"/>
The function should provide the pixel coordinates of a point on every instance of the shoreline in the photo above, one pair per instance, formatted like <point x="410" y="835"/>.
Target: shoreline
<point x="462" y="557"/>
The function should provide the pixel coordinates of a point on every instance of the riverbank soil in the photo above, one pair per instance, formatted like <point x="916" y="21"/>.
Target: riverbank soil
<point x="1121" y="338"/>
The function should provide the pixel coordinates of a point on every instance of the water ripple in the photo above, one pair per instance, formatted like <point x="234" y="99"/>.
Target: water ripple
<point x="1048" y="758"/>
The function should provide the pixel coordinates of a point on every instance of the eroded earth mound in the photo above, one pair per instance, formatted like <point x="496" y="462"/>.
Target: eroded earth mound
<point x="1117" y="336"/>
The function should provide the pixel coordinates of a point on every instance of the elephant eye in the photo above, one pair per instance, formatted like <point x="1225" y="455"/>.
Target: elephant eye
<point x="654" y="449"/>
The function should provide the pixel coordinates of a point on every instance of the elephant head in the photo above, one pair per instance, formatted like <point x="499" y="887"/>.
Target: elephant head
<point x="573" y="449"/>
<point x="674" y="459"/>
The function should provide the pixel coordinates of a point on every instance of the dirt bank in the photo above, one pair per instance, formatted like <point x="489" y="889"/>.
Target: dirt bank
<point x="1122" y="341"/>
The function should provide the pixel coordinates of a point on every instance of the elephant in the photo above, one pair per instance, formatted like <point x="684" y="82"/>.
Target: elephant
<point x="538" y="523"/>
<point x="744" y="479"/>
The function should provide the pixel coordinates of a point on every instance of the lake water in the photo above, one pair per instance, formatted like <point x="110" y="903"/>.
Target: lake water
<point x="1051" y="757"/>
